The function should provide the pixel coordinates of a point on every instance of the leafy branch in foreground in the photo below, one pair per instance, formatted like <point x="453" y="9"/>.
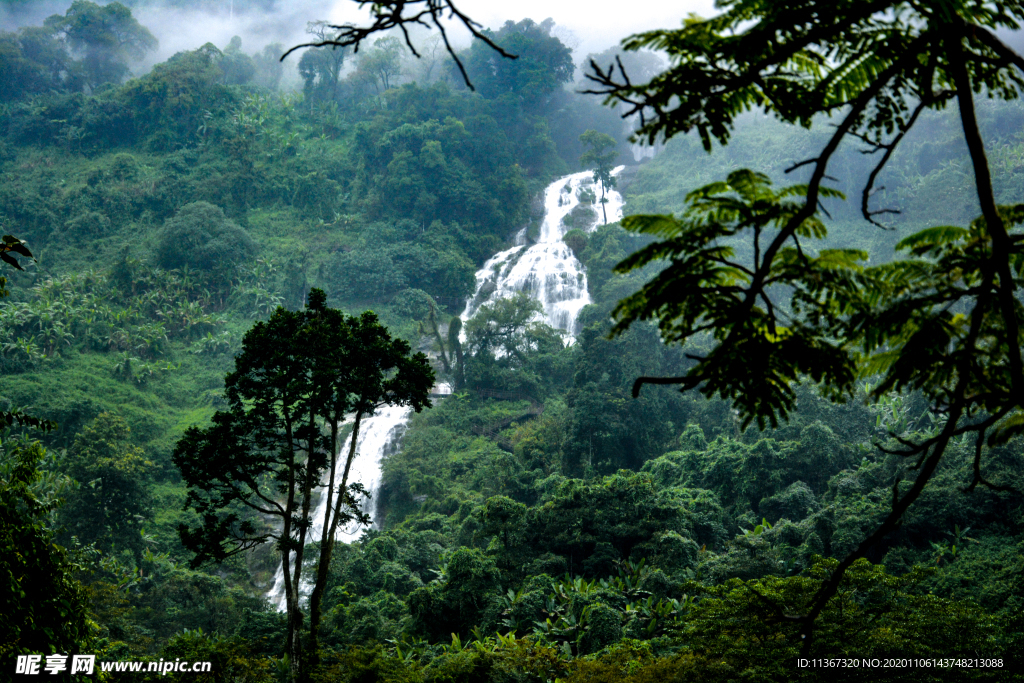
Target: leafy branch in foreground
<point x="752" y="328"/>
<point x="945" y="320"/>
<point x="928" y="322"/>
<point x="9" y="244"/>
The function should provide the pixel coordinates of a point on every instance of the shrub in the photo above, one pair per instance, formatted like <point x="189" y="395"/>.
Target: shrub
<point x="364" y="275"/>
<point x="795" y="503"/>
<point x="576" y="240"/>
<point x="200" y="236"/>
<point x="88" y="224"/>
<point x="413" y="303"/>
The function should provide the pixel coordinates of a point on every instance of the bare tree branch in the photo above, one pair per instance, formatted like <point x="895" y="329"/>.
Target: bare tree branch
<point x="392" y="15"/>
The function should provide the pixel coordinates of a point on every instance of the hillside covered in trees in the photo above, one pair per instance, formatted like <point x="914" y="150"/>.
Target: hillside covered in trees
<point x="539" y="522"/>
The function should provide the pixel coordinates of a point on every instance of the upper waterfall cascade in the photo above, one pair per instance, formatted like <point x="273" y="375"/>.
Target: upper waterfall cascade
<point x="548" y="271"/>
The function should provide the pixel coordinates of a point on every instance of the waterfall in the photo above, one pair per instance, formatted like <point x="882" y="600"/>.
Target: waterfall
<point x="547" y="271"/>
<point x="378" y="438"/>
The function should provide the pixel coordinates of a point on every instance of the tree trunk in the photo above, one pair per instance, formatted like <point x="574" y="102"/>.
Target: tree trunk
<point x="293" y="645"/>
<point x="294" y="642"/>
<point x="460" y="367"/>
<point x="1003" y="303"/>
<point x="440" y="342"/>
<point x="455" y="346"/>
<point x="327" y="549"/>
<point x="604" y="204"/>
<point x="1001" y="243"/>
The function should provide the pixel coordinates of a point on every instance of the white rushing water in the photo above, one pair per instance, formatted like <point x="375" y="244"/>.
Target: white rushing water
<point x="547" y="271"/>
<point x="378" y="438"/>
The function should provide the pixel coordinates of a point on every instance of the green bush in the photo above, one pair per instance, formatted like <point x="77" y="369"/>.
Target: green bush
<point x="201" y="237"/>
<point x="90" y="224"/>
<point x="576" y="240"/>
<point x="413" y="303"/>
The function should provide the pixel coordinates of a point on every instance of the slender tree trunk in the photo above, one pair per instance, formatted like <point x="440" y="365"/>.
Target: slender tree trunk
<point x="831" y="586"/>
<point x="1001" y="243"/>
<point x="294" y="620"/>
<point x="604" y="204"/>
<point x="307" y="494"/>
<point x="291" y="594"/>
<point x="454" y="328"/>
<point x="440" y="342"/>
<point x="327" y="544"/>
<point x="294" y="642"/>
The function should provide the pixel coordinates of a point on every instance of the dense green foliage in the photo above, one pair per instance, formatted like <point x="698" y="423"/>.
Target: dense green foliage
<point x="114" y="497"/>
<point x="542" y="63"/>
<point x="538" y="523"/>
<point x="199" y="237"/>
<point x="46" y="607"/>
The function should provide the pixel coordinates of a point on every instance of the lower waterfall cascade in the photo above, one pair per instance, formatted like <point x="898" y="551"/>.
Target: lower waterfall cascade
<point x="547" y="270"/>
<point x="379" y="436"/>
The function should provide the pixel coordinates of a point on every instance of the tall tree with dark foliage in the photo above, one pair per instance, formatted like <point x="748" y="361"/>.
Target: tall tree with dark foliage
<point x="297" y="377"/>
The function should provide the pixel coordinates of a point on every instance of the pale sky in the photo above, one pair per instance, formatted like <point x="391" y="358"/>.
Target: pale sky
<point x="596" y="24"/>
